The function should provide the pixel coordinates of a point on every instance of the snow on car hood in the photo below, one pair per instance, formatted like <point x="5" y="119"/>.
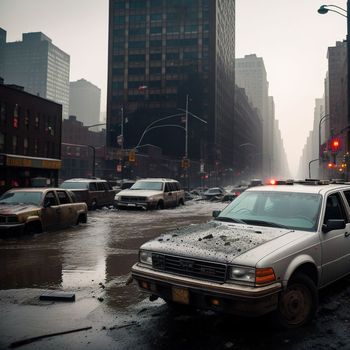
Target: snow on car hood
<point x="139" y="193"/>
<point x="214" y="241"/>
<point x="11" y="209"/>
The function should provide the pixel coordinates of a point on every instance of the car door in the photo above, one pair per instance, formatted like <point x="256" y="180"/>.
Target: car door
<point x="335" y="243"/>
<point x="168" y="195"/>
<point x="50" y="212"/>
<point x="67" y="211"/>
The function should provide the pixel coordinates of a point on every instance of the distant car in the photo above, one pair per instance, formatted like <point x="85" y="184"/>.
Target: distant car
<point x="95" y="193"/>
<point x="34" y="210"/>
<point x="214" y="193"/>
<point x="124" y="185"/>
<point x="153" y="193"/>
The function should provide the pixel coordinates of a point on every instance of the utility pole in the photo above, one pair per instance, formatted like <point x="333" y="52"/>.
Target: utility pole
<point x="186" y="129"/>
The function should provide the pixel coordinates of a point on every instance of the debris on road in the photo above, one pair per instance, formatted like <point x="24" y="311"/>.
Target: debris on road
<point x="19" y="343"/>
<point x="57" y="295"/>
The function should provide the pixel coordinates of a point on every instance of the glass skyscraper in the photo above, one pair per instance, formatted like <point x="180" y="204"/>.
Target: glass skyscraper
<point x="160" y="51"/>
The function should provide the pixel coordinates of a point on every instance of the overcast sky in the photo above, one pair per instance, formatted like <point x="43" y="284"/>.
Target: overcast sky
<point x="290" y="35"/>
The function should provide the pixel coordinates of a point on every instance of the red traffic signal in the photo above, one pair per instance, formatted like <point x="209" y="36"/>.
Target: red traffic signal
<point x="335" y="145"/>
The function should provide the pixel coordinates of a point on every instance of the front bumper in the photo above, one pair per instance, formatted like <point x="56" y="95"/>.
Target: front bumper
<point x="226" y="297"/>
<point x="8" y="229"/>
<point x="142" y="205"/>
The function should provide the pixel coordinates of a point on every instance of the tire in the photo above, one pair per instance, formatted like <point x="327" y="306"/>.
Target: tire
<point x="94" y="204"/>
<point x="181" y="202"/>
<point x="160" y="205"/>
<point x="82" y="219"/>
<point x="297" y="305"/>
<point x="32" y="228"/>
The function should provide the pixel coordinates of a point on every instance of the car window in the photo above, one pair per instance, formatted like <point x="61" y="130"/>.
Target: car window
<point x="347" y="196"/>
<point x="74" y="185"/>
<point x="92" y="186"/>
<point x="334" y="208"/>
<point x="63" y="197"/>
<point x="21" y="197"/>
<point x="100" y="186"/>
<point x="50" y="198"/>
<point x="167" y="187"/>
<point x="147" y="185"/>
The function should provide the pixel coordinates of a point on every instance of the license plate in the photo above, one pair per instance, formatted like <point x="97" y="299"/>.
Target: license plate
<point x="180" y="295"/>
<point x="131" y="205"/>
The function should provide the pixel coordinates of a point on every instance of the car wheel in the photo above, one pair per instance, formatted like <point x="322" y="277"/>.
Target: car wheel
<point x="94" y="204"/>
<point x="160" y="205"/>
<point x="298" y="303"/>
<point x="32" y="228"/>
<point x="82" y="219"/>
<point x="181" y="202"/>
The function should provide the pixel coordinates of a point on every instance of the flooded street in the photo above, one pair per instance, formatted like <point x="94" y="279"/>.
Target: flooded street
<point x="93" y="261"/>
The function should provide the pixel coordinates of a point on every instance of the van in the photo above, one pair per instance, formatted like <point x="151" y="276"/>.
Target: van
<point x="96" y="193"/>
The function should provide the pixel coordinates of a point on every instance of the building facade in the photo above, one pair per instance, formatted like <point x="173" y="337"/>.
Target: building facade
<point x="80" y="147"/>
<point x="38" y="65"/>
<point x="30" y="139"/>
<point x="85" y="101"/>
<point x="166" y="57"/>
<point x="251" y="75"/>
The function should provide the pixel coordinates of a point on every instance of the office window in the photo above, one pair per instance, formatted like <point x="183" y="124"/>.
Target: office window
<point x="3" y="112"/>
<point x="136" y="71"/>
<point x="156" y="30"/>
<point x="156" y="16"/>
<point x="2" y="141"/>
<point x="137" y="58"/>
<point x="137" y="31"/>
<point x="137" y="44"/>
<point x="26" y="119"/>
<point x="14" y="144"/>
<point x="155" y="43"/>
<point x="172" y="56"/>
<point x="25" y="146"/>
<point x="155" y="70"/>
<point x="15" y="121"/>
<point x="119" y="19"/>
<point x="155" y="56"/>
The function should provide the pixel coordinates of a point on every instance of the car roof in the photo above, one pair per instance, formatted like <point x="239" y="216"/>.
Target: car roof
<point x="300" y="188"/>
<point x="153" y="179"/>
<point x="84" y="180"/>
<point x="36" y="189"/>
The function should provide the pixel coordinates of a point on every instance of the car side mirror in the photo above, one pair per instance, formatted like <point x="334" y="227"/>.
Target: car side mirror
<point x="333" y="224"/>
<point x="216" y="213"/>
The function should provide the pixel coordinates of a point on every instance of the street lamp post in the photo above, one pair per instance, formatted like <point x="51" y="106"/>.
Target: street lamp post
<point x="345" y="13"/>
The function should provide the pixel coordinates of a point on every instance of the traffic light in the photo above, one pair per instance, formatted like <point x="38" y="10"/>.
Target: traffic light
<point x="335" y="145"/>
<point x="185" y="163"/>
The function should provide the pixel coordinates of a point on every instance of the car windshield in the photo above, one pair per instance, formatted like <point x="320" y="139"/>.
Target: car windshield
<point x="75" y="185"/>
<point x="21" y="197"/>
<point x="296" y="211"/>
<point x="147" y="185"/>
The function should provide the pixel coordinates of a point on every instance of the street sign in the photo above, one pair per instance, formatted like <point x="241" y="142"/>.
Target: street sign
<point x="185" y="163"/>
<point x="132" y="155"/>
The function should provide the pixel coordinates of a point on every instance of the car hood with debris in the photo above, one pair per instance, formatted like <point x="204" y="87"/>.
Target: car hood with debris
<point x="16" y="209"/>
<point x="223" y="242"/>
<point x="139" y="193"/>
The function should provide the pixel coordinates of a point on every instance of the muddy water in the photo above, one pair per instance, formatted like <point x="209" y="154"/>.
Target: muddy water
<point x="96" y="255"/>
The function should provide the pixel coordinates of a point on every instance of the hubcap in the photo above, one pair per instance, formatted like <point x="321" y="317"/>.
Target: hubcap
<point x="295" y="304"/>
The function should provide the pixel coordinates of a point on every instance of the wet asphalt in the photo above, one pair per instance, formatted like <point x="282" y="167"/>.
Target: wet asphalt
<point x="94" y="260"/>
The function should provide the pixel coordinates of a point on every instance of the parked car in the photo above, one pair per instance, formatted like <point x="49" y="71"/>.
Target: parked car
<point x="154" y="193"/>
<point x="214" y="193"/>
<point x="33" y="210"/>
<point x="234" y="193"/>
<point x="124" y="185"/>
<point x="95" y="193"/>
<point x="268" y="251"/>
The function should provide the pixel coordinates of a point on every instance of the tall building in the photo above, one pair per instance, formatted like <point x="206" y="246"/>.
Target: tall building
<point x="85" y="101"/>
<point x="251" y="75"/>
<point x="37" y="65"/>
<point x="160" y="52"/>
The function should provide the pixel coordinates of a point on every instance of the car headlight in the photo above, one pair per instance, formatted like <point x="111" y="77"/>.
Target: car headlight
<point x="251" y="276"/>
<point x="145" y="257"/>
<point x="117" y="198"/>
<point x="242" y="274"/>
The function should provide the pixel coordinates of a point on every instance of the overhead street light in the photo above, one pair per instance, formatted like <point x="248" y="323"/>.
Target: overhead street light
<point x="344" y="13"/>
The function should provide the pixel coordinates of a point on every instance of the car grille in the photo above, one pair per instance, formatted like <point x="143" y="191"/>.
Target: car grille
<point x="189" y="267"/>
<point x="133" y="199"/>
<point x="8" y="219"/>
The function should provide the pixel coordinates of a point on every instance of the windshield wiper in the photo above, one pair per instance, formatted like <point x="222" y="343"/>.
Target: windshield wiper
<point x="265" y="223"/>
<point x="226" y="219"/>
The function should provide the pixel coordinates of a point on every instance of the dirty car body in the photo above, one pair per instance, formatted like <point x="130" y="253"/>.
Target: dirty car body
<point x="270" y="250"/>
<point x="34" y="210"/>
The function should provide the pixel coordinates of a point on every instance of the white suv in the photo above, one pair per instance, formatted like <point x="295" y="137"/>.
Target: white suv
<point x="151" y="194"/>
<point x="270" y="250"/>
